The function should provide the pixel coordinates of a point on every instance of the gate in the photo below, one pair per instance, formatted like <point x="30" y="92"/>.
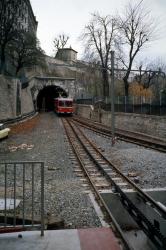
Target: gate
<point x="21" y="196"/>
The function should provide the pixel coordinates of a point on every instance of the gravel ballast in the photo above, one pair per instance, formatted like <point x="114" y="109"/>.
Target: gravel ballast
<point x="148" y="165"/>
<point x="43" y="139"/>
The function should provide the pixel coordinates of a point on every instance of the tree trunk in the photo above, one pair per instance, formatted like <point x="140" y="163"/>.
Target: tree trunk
<point x="105" y="83"/>
<point x="17" y="69"/>
<point x="2" y="66"/>
<point x="126" y="85"/>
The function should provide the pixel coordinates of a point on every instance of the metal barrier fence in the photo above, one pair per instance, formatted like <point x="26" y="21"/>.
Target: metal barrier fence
<point x="130" y="104"/>
<point x="21" y="196"/>
<point x="19" y="118"/>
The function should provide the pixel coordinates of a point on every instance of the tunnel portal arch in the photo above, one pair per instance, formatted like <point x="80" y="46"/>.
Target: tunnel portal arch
<point x="45" y="97"/>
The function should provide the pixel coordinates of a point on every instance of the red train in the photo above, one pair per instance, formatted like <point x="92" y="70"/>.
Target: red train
<point x="63" y="105"/>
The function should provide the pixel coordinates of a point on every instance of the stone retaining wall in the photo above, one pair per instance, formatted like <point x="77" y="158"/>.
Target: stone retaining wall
<point x="7" y="98"/>
<point x="152" y="125"/>
<point x="14" y="101"/>
<point x="27" y="105"/>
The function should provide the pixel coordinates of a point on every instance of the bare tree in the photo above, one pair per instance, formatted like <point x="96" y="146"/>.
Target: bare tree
<point x="136" y="30"/>
<point x="156" y="77"/>
<point x="25" y="51"/>
<point x="149" y="73"/>
<point x="145" y="77"/>
<point x="60" y="41"/>
<point x="99" y="37"/>
<point x="9" y="24"/>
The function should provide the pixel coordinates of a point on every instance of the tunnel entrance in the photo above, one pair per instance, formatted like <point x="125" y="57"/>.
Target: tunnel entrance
<point x="45" y="98"/>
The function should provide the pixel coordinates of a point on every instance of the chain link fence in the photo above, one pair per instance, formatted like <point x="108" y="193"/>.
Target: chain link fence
<point x="130" y="104"/>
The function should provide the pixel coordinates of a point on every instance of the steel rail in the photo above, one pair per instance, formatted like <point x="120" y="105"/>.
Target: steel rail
<point x="128" y="136"/>
<point x="116" y="229"/>
<point x="150" y="229"/>
<point x="141" y="193"/>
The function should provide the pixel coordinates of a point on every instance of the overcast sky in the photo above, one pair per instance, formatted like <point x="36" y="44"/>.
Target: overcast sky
<point x="70" y="17"/>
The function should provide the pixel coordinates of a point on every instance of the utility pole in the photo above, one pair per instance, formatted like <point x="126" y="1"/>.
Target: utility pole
<point x="112" y="99"/>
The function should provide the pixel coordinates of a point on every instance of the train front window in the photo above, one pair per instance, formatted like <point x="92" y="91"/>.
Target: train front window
<point x="69" y="104"/>
<point x="62" y="103"/>
<point x="65" y="103"/>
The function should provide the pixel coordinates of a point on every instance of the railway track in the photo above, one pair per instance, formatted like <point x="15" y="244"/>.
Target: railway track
<point x="128" y="136"/>
<point x="102" y="174"/>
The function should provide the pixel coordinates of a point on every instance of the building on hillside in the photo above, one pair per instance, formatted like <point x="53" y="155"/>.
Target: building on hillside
<point x="27" y="19"/>
<point x="17" y="16"/>
<point x="68" y="55"/>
